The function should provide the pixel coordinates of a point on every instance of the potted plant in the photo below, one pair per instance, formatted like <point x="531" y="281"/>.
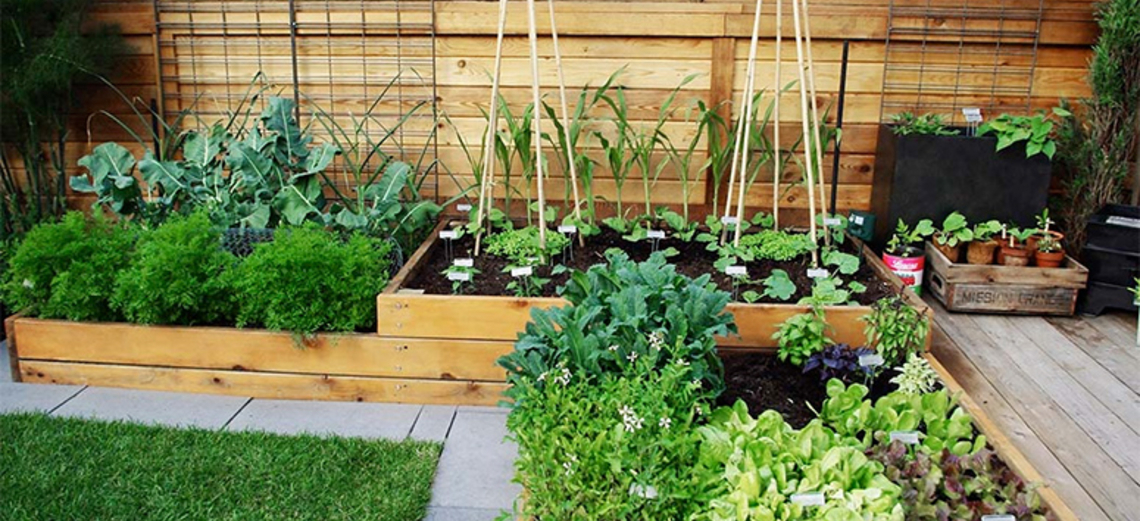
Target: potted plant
<point x="1049" y="253"/>
<point x="981" y="249"/>
<point x="1043" y="225"/>
<point x="953" y="234"/>
<point x="1013" y="250"/>
<point x="903" y="256"/>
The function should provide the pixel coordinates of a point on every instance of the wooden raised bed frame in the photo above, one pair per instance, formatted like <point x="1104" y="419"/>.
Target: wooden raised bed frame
<point x="468" y="320"/>
<point x="249" y="362"/>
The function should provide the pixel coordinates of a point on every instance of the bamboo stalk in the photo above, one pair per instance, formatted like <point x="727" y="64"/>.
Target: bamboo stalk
<point x="566" y="120"/>
<point x="747" y="127"/>
<point x="777" y="167"/>
<point x="537" y="125"/>
<point x="744" y="124"/>
<point x="485" y="196"/>
<point x="815" y="122"/>
<point x="808" y="157"/>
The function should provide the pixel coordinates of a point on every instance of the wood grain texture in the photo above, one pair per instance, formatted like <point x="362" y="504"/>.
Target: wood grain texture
<point x="265" y="385"/>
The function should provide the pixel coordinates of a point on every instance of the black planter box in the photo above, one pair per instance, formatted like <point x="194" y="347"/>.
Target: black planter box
<point x="928" y="177"/>
<point x="1112" y="254"/>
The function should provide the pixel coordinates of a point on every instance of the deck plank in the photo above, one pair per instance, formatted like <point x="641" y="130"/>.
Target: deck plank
<point x="1122" y="362"/>
<point x="1102" y="478"/>
<point x="1114" y="329"/>
<point x="1098" y="421"/>
<point x="1021" y="435"/>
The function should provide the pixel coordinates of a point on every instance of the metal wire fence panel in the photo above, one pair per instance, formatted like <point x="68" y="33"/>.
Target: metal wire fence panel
<point x="946" y="55"/>
<point x="360" y="71"/>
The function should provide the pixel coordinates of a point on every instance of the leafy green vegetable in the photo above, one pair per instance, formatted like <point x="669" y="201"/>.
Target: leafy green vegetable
<point x="175" y="275"/>
<point x="778" y="285"/>
<point x="801" y="336"/>
<point x="521" y="246"/>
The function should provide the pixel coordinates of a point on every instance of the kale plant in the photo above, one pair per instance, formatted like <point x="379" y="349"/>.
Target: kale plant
<point x="620" y="312"/>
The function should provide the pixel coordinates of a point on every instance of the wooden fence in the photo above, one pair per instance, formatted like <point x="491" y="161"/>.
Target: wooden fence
<point x="658" y="44"/>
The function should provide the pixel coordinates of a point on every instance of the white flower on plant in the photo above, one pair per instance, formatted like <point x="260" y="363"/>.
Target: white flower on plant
<point x="613" y="348"/>
<point x="697" y="408"/>
<point x="696" y="383"/>
<point x="569" y="468"/>
<point x="632" y="356"/>
<point x="564" y="378"/>
<point x="29" y="284"/>
<point x="542" y="377"/>
<point x="682" y="362"/>
<point x="665" y="423"/>
<point x="657" y="340"/>
<point x="630" y="420"/>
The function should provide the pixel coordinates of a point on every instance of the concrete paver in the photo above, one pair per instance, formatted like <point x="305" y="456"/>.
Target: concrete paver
<point x="434" y="423"/>
<point x="364" y="420"/>
<point x="16" y="397"/>
<point x="173" y="409"/>
<point x="462" y="514"/>
<point x="477" y="463"/>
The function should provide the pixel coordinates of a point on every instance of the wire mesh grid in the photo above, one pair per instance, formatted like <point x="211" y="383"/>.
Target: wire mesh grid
<point x="364" y="69"/>
<point x="945" y="55"/>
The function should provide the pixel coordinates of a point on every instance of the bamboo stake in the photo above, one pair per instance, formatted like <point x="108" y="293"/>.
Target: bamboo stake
<point x="744" y="122"/>
<point x="485" y="195"/>
<point x="570" y="159"/>
<point x="815" y="122"/>
<point x="808" y="156"/>
<point x="537" y="125"/>
<point x="747" y="127"/>
<point x="777" y="167"/>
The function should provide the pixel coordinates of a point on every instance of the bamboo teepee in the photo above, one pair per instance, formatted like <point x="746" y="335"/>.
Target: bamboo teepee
<point x="486" y="196"/>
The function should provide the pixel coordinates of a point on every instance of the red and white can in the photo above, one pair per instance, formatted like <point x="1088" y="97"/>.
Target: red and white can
<point x="909" y="269"/>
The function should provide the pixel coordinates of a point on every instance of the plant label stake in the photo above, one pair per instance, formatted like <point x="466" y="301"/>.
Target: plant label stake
<point x="737" y="273"/>
<point x="463" y="208"/>
<point x="645" y="491"/>
<point x="973" y="117"/>
<point x="808" y="499"/>
<point x="817" y="273"/>
<point x="832" y="221"/>
<point x="459" y="276"/>
<point x="872" y="360"/>
<point x="655" y="236"/>
<point x="728" y="220"/>
<point x="569" y="230"/>
<point x="466" y="262"/>
<point x="448" y="236"/>
<point x="524" y="271"/>
<point x="1002" y="517"/>
<point x="905" y="437"/>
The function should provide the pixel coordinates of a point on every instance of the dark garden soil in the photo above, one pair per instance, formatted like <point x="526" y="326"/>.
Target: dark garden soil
<point x="694" y="260"/>
<point x="764" y="382"/>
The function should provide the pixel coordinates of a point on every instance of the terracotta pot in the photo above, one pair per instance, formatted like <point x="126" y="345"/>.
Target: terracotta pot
<point x="978" y="252"/>
<point x="1031" y="242"/>
<point x="1015" y="256"/>
<point x="951" y="252"/>
<point x="1049" y="259"/>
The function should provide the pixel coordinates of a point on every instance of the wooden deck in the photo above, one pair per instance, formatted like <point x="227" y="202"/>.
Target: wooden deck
<point x="1067" y="393"/>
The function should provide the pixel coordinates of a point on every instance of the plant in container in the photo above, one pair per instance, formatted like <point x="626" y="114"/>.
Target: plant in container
<point x="902" y="256"/>
<point x="955" y="232"/>
<point x="1013" y="250"/>
<point x="981" y="249"/>
<point x="1043" y="225"/>
<point x="1049" y="253"/>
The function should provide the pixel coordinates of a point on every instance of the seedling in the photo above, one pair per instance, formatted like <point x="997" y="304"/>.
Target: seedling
<point x="954" y="231"/>
<point x="905" y="237"/>
<point x="525" y="283"/>
<point x="462" y="277"/>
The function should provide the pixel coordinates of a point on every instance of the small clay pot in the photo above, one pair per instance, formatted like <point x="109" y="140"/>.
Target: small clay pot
<point x="1031" y="242"/>
<point x="1049" y="259"/>
<point x="951" y="252"/>
<point x="1015" y="256"/>
<point x="981" y="252"/>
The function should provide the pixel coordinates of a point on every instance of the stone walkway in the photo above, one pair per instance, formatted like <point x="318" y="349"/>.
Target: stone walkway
<point x="472" y="482"/>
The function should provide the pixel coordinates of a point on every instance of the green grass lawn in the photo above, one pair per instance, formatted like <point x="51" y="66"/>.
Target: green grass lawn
<point x="67" y="469"/>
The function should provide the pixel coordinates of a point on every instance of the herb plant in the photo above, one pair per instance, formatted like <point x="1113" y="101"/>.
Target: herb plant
<point x="462" y="278"/>
<point x="521" y="245"/>
<point x="840" y="361"/>
<point x="777" y="245"/>
<point x="895" y="330"/>
<point x="525" y="285"/>
<point x="905" y="237"/>
<point x="309" y="280"/>
<point x="175" y="275"/>
<point x="915" y="376"/>
<point x="907" y="123"/>
<point x="68" y="269"/>
<point x="801" y="336"/>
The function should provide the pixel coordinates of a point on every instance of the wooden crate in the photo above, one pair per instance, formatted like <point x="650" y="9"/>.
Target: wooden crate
<point x="262" y="364"/>
<point x="449" y="317"/>
<point x="974" y="288"/>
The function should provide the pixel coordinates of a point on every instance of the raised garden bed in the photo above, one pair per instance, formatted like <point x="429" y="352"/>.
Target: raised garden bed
<point x="1023" y="290"/>
<point x="408" y="310"/>
<point x="360" y="367"/>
